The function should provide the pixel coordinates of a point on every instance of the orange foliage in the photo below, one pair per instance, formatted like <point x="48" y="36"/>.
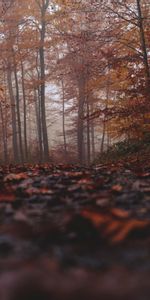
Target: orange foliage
<point x="115" y="225"/>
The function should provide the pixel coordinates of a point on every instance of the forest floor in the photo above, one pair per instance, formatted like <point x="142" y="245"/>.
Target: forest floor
<point x="69" y="232"/>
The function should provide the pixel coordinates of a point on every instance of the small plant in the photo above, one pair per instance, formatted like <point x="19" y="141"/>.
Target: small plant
<point x="124" y="149"/>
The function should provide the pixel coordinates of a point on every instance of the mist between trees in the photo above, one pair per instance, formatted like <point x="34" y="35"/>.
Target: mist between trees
<point x="74" y="77"/>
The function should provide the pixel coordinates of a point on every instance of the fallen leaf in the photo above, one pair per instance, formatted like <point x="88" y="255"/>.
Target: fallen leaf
<point x="12" y="176"/>
<point x="117" y="188"/>
<point x="102" y="202"/>
<point x="121" y="213"/>
<point x="96" y="218"/>
<point x="113" y="229"/>
<point x="7" y="197"/>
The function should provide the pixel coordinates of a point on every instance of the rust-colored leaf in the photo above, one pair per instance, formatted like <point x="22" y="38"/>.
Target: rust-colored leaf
<point x="115" y="224"/>
<point x="12" y="176"/>
<point x="96" y="218"/>
<point x="7" y="197"/>
<point x="127" y="228"/>
<point x="117" y="188"/>
<point x="121" y="213"/>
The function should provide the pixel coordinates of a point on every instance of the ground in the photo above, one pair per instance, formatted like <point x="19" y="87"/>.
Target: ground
<point x="69" y="232"/>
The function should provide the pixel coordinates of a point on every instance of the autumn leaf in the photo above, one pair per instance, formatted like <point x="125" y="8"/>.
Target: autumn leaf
<point x="17" y="177"/>
<point x="117" y="188"/>
<point x="96" y="218"/>
<point x="121" y="213"/>
<point x="7" y="197"/>
<point x="115" y="225"/>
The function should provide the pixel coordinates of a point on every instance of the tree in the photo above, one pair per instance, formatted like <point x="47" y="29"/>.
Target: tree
<point x="43" y="6"/>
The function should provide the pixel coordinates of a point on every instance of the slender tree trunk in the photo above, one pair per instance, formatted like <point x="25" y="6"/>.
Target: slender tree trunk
<point x="88" y="135"/>
<point x="4" y="135"/>
<point x="103" y="136"/>
<point x="63" y="118"/>
<point x="105" y="119"/>
<point x="6" y="117"/>
<point x="143" y="44"/>
<point x="108" y="139"/>
<point x="42" y="73"/>
<point x="13" y="116"/>
<point x="18" y="114"/>
<point x="80" y="130"/>
<point x="37" y="97"/>
<point x="38" y="121"/>
<point x="24" y="114"/>
<point x="92" y="135"/>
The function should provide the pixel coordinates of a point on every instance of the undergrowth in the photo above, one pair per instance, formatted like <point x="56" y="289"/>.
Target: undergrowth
<point x="136" y="149"/>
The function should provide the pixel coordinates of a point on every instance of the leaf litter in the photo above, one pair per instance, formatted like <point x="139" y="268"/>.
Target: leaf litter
<point x="83" y="229"/>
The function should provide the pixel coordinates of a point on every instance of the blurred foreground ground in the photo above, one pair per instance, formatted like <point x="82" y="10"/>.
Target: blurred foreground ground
<point x="68" y="232"/>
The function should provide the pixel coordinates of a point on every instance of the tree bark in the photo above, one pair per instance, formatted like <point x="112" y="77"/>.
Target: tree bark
<point x="88" y="134"/>
<point x="92" y="135"/>
<point x="18" y="113"/>
<point x="63" y="118"/>
<point x="80" y="127"/>
<point x="105" y="119"/>
<point x="24" y="114"/>
<point x="4" y="136"/>
<point x="42" y="86"/>
<point x="143" y="44"/>
<point x="38" y="121"/>
<point x="13" y="116"/>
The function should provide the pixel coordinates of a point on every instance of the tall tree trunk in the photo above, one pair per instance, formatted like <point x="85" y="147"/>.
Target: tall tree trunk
<point x="143" y="44"/>
<point x="63" y="118"/>
<point x="103" y="136"/>
<point x="38" y="122"/>
<point x="92" y="135"/>
<point x="80" y="129"/>
<point x="88" y="134"/>
<point x="24" y="113"/>
<point x="4" y="136"/>
<point x="37" y="97"/>
<point x="42" y="86"/>
<point x="18" y="113"/>
<point x="105" y="119"/>
<point x="108" y="139"/>
<point x="13" y="116"/>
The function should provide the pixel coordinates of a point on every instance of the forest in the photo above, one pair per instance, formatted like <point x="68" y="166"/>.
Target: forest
<point x="74" y="149"/>
<point x="74" y="78"/>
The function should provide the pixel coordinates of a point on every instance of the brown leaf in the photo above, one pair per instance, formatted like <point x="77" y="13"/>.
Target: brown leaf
<point x="121" y="213"/>
<point x="7" y="197"/>
<point x="127" y="228"/>
<point x="12" y="176"/>
<point x="117" y="188"/>
<point x="112" y="228"/>
<point x="96" y="218"/>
